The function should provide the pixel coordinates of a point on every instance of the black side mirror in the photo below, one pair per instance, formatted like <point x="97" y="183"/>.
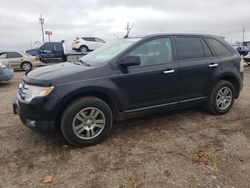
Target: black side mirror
<point x="128" y="61"/>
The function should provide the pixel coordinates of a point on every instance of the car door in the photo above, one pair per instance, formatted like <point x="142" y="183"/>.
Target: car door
<point x="93" y="43"/>
<point x="89" y="42"/>
<point x="59" y="52"/>
<point x="47" y="50"/>
<point x="15" y="59"/>
<point x="155" y="81"/>
<point x="197" y="67"/>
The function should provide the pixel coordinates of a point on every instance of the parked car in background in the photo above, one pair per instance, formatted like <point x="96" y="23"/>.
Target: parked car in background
<point x="6" y="71"/>
<point x="85" y="44"/>
<point x="20" y="60"/>
<point x="129" y="78"/>
<point x="49" y="52"/>
<point x="53" y="52"/>
<point x="243" y="50"/>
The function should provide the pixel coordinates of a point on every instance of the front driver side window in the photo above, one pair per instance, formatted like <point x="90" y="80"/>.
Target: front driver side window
<point x="156" y="51"/>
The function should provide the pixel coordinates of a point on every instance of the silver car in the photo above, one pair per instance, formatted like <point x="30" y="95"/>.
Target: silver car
<point x="6" y="71"/>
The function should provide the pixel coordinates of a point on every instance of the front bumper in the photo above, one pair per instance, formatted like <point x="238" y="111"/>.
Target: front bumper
<point x="38" y="117"/>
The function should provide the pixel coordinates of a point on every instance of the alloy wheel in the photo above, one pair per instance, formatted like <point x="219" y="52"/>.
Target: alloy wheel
<point x="224" y="98"/>
<point x="88" y="123"/>
<point x="26" y="66"/>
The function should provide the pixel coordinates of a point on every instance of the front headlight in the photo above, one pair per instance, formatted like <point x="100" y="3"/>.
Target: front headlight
<point x="37" y="91"/>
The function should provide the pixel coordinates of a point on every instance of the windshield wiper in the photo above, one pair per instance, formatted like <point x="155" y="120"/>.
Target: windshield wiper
<point x="84" y="63"/>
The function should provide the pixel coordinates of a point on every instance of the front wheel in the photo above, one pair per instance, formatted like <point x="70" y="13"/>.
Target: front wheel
<point x="221" y="98"/>
<point x="86" y="121"/>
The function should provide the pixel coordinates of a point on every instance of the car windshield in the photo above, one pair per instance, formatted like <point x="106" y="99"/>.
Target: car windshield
<point x="108" y="51"/>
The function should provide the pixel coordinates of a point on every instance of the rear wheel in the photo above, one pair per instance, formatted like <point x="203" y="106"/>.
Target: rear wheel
<point x="86" y="121"/>
<point x="221" y="98"/>
<point x="26" y="66"/>
<point x="83" y="49"/>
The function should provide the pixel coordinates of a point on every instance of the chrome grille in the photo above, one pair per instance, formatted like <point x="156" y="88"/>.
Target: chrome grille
<point x="22" y="90"/>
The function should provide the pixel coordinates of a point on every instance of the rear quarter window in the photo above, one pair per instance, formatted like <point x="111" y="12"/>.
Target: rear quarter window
<point x="220" y="49"/>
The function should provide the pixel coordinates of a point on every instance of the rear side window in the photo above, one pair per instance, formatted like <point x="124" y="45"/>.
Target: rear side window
<point x="48" y="46"/>
<point x="189" y="47"/>
<point x="219" y="48"/>
<point x="99" y="40"/>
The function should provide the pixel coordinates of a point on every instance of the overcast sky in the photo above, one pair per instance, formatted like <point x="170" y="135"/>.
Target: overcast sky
<point x="107" y="19"/>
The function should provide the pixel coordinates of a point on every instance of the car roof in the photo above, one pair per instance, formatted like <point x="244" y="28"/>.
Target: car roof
<point x="184" y="34"/>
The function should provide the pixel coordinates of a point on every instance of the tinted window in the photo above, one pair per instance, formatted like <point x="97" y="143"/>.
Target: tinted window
<point x="48" y="46"/>
<point x="207" y="51"/>
<point x="154" y="52"/>
<point x="219" y="48"/>
<point x="189" y="47"/>
<point x="89" y="39"/>
<point x="58" y="46"/>
<point x="99" y="40"/>
<point x="13" y="55"/>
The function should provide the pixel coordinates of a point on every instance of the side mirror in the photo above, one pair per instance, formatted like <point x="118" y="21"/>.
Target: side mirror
<point x="128" y="61"/>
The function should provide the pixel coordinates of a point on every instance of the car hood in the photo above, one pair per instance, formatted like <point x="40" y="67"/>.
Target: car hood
<point x="34" y="51"/>
<point x="58" y="74"/>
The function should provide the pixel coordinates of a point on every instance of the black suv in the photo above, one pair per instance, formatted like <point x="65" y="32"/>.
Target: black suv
<point x="129" y="78"/>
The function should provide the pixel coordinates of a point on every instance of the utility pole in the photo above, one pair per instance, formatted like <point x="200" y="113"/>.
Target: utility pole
<point x="41" y="20"/>
<point x="128" y="29"/>
<point x="243" y="36"/>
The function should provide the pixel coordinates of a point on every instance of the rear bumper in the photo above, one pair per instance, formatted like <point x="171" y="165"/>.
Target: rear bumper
<point x="6" y="74"/>
<point x="36" y="117"/>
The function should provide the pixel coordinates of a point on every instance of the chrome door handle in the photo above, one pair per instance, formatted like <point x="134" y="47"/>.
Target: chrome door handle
<point x="168" y="71"/>
<point x="213" y="65"/>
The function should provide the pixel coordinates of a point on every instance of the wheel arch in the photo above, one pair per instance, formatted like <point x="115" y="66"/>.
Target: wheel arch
<point x="21" y="64"/>
<point x="25" y="62"/>
<point x="232" y="79"/>
<point x="83" y="46"/>
<point x="68" y="99"/>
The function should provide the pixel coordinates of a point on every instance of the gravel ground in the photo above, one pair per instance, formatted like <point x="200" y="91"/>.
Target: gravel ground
<point x="187" y="148"/>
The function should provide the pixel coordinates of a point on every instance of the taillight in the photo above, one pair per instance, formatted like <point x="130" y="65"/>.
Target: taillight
<point x="76" y="41"/>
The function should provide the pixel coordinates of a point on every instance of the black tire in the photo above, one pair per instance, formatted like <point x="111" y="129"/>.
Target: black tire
<point x="212" y="104"/>
<point x="26" y="66"/>
<point x="69" y="117"/>
<point x="83" y="49"/>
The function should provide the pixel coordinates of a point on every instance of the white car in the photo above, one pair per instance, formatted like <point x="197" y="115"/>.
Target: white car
<point x="85" y="44"/>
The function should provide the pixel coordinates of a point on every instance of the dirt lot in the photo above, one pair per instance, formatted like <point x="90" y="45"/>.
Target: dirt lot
<point x="188" y="148"/>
